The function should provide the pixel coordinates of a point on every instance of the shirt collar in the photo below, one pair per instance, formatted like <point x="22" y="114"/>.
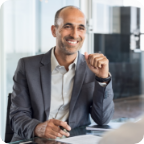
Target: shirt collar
<point x="54" y="62"/>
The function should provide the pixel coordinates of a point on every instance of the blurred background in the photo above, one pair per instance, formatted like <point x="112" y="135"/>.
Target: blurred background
<point x="114" y="27"/>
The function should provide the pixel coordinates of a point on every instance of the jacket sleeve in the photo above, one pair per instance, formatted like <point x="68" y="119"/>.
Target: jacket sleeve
<point x="21" y="120"/>
<point x="103" y="106"/>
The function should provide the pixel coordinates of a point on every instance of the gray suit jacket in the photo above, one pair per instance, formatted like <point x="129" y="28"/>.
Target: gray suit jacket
<point x="31" y="96"/>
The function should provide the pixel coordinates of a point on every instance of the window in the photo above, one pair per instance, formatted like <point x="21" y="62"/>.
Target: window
<point x="25" y="30"/>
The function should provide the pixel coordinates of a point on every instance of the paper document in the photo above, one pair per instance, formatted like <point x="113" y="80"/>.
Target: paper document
<point x="83" y="139"/>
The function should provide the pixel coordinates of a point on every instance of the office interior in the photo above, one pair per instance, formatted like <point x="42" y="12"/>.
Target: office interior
<point x="114" y="28"/>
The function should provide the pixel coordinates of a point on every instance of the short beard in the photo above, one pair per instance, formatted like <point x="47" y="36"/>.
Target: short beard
<point x="67" y="52"/>
<point x="64" y="50"/>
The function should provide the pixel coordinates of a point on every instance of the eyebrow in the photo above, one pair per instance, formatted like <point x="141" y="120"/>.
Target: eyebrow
<point x="72" y="24"/>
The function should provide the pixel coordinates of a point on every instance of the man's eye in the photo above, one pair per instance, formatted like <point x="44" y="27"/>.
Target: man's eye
<point x="81" y="28"/>
<point x="67" y="27"/>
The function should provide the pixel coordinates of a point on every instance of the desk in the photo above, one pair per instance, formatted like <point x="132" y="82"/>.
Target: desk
<point x="74" y="132"/>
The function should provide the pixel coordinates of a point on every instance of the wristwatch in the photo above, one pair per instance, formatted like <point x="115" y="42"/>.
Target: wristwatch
<point x="104" y="79"/>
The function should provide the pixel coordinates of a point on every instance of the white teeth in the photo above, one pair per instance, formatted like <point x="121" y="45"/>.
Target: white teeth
<point x="72" y="42"/>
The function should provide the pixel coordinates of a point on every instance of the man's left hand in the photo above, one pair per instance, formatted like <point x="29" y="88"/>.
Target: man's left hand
<point x="98" y="64"/>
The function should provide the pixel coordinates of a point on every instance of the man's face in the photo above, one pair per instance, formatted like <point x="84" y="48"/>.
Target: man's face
<point x="70" y="32"/>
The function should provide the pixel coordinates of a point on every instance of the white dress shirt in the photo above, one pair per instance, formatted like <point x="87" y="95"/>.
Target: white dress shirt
<point x="61" y="88"/>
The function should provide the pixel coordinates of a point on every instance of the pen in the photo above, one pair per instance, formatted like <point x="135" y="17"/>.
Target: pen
<point x="62" y="128"/>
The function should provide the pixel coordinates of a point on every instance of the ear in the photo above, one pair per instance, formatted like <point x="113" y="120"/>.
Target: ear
<point x="53" y="30"/>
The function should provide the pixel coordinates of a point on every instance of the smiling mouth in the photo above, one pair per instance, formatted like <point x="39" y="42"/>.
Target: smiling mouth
<point x="72" y="42"/>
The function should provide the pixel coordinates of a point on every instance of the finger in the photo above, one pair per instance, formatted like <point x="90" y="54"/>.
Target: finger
<point x="52" y="132"/>
<point x="57" y="134"/>
<point x="64" y="133"/>
<point x="86" y="55"/>
<point x="51" y="136"/>
<point x="88" y="60"/>
<point x="102" y="62"/>
<point x="96" y="60"/>
<point x="57" y="129"/>
<point x="63" y="124"/>
<point x="92" y="57"/>
<point x="98" y="55"/>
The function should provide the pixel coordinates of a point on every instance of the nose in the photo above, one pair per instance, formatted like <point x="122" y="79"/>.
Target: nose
<point x="74" y="33"/>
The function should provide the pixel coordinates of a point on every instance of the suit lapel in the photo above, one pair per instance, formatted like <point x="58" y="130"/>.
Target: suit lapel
<point x="78" y="81"/>
<point x="45" y="72"/>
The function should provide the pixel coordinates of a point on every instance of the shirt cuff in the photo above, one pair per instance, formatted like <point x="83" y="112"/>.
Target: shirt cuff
<point x="102" y="84"/>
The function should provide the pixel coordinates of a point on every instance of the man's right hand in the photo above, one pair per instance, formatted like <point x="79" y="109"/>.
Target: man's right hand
<point x="51" y="129"/>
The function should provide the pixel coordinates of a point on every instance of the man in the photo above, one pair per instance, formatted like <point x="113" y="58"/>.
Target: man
<point x="60" y="88"/>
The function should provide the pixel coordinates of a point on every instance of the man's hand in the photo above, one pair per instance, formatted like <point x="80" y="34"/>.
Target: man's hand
<point x="98" y="64"/>
<point x="51" y="129"/>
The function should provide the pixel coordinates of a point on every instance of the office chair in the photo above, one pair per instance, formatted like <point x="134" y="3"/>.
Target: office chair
<point x="8" y="131"/>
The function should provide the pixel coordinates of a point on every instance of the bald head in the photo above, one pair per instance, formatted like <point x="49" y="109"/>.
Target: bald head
<point x="63" y="10"/>
<point x="69" y="30"/>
